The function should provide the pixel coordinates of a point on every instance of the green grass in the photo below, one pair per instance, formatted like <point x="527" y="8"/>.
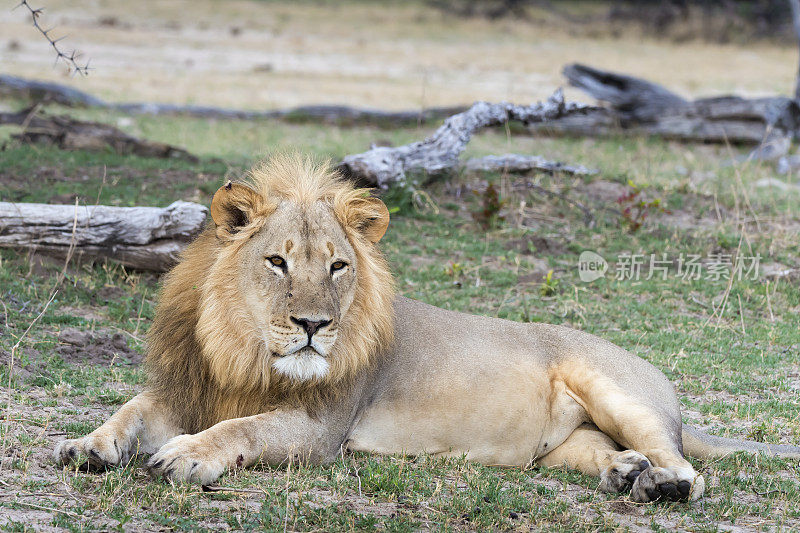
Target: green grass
<point x="736" y="372"/>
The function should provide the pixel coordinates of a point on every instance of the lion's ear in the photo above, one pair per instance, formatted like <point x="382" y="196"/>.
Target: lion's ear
<point x="233" y="207"/>
<point x="368" y="215"/>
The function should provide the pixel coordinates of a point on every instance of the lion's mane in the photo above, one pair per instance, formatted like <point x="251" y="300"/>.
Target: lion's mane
<point x="205" y="359"/>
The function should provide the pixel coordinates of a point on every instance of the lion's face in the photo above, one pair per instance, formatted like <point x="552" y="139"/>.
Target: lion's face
<point x="298" y="281"/>
<point x="296" y="289"/>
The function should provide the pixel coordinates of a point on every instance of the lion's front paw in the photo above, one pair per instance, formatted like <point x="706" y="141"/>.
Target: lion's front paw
<point x="623" y="471"/>
<point x="667" y="484"/>
<point x="99" y="451"/>
<point x="188" y="458"/>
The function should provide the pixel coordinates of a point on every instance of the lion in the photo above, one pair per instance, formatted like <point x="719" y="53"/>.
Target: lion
<point x="279" y="337"/>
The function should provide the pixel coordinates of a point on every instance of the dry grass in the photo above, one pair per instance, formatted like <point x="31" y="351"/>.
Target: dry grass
<point x="256" y="54"/>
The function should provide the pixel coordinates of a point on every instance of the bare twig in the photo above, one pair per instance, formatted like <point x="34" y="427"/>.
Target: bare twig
<point x="767" y="493"/>
<point x="29" y="116"/>
<point x="71" y="249"/>
<point x="128" y="333"/>
<point x="588" y="216"/>
<point x="139" y="316"/>
<point x="769" y="303"/>
<point x="719" y="311"/>
<point x="70" y="59"/>
<point x="286" y="509"/>
<point x="100" y="190"/>
<point x="22" y="337"/>
<point x="7" y="418"/>
<point x="44" y="508"/>
<point x="741" y="314"/>
<point x="218" y="488"/>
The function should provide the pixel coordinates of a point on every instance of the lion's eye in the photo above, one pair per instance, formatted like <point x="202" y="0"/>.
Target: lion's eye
<point x="277" y="260"/>
<point x="337" y="265"/>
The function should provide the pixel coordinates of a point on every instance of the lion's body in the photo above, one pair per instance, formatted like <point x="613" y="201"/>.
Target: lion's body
<point x="495" y="390"/>
<point x="278" y="336"/>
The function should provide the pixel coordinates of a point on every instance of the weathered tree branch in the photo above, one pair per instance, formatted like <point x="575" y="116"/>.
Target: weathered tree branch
<point x="642" y="107"/>
<point x="633" y="98"/>
<point x="146" y="238"/>
<point x="385" y="166"/>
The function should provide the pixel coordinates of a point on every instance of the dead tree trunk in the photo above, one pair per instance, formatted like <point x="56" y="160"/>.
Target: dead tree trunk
<point x="639" y="106"/>
<point x="145" y="238"/>
<point x="386" y="166"/>
<point x="633" y="98"/>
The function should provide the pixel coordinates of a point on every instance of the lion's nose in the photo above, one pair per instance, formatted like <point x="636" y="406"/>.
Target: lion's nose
<point x="310" y="326"/>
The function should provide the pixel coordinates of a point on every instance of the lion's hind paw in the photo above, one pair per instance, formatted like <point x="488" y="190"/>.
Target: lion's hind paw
<point x="623" y="471"/>
<point x="675" y="484"/>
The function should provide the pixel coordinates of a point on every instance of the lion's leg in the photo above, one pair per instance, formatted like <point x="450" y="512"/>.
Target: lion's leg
<point x="272" y="438"/>
<point x="141" y="425"/>
<point x="593" y="453"/>
<point x="652" y="428"/>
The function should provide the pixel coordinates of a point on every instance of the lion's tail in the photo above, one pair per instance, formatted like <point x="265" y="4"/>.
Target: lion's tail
<point x="704" y="446"/>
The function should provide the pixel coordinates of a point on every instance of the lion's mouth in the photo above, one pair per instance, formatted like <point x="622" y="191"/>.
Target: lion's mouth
<point x="303" y="351"/>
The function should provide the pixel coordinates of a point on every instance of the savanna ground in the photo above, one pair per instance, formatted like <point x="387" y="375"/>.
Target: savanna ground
<point x="730" y="347"/>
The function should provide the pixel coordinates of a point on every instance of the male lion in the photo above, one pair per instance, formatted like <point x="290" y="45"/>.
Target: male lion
<point x="279" y="337"/>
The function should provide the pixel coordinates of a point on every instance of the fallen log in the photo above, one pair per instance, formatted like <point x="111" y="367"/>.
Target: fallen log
<point x="387" y="166"/>
<point x="632" y="98"/>
<point x="44" y="91"/>
<point x="516" y="163"/>
<point x="637" y="106"/>
<point x="40" y="91"/>
<point x="145" y="238"/>
<point x="328" y="114"/>
<point x="70" y="134"/>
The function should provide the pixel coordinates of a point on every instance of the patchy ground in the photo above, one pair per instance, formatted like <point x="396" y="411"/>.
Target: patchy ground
<point x="731" y="350"/>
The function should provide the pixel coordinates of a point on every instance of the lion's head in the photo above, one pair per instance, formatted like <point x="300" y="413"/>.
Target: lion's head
<point x="287" y="290"/>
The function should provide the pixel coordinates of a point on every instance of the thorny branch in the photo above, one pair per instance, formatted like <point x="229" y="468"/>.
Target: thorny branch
<point x="71" y="58"/>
